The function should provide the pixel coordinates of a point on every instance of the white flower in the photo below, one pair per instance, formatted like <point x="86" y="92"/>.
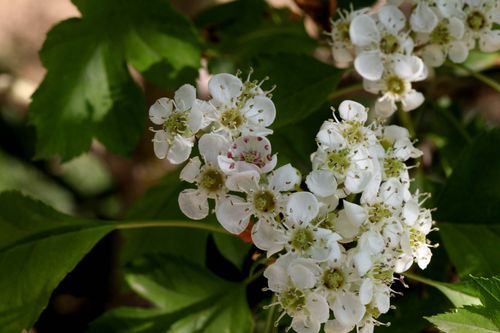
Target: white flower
<point x="265" y="197"/>
<point x="379" y="40"/>
<point x="342" y="48"/>
<point x="480" y="16"/>
<point x="248" y="153"/>
<point x="208" y="177"/>
<point x="239" y="108"/>
<point x="395" y="85"/>
<point x="181" y="119"/>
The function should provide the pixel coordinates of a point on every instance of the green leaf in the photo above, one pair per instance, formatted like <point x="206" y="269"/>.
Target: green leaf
<point x="474" y="318"/>
<point x="188" y="298"/>
<point x="473" y="248"/>
<point x="459" y="294"/>
<point x="232" y="248"/>
<point x="471" y="194"/>
<point x="160" y="203"/>
<point x="301" y="94"/>
<point x="38" y="247"/>
<point x="88" y="91"/>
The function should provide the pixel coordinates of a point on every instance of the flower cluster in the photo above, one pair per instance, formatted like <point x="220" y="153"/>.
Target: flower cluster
<point x="339" y="243"/>
<point x="390" y="51"/>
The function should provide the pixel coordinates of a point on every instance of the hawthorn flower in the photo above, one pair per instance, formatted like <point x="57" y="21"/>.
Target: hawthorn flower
<point x="379" y="40"/>
<point x="480" y="17"/>
<point x="181" y="119"/>
<point x="248" y="153"/>
<point x="395" y="86"/>
<point x="265" y="197"/>
<point x="208" y="177"/>
<point x="239" y="108"/>
<point x="342" y="49"/>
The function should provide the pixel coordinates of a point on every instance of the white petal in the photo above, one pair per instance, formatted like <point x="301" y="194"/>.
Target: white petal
<point x="195" y="120"/>
<point x="363" y="31"/>
<point x="332" y="139"/>
<point x="268" y="238"/>
<point x="303" y="324"/>
<point x="160" y="144"/>
<point x="193" y="204"/>
<point x="184" y="97"/>
<point x="341" y="54"/>
<point x="180" y="150"/>
<point x="366" y="291"/>
<point x="277" y="276"/>
<point x="322" y="183"/>
<point x="371" y="242"/>
<point x="392" y="192"/>
<point x="382" y="298"/>
<point x="403" y="263"/>
<point x="423" y="255"/>
<point x="363" y="262"/>
<point x="301" y="276"/>
<point x="385" y="107"/>
<point x="356" y="180"/>
<point x="318" y="307"/>
<point x="369" y="65"/>
<point x="348" y="309"/>
<point x="433" y="55"/>
<point x="456" y="27"/>
<point x="355" y="213"/>
<point x="412" y="100"/>
<point x="335" y="326"/>
<point x="408" y="67"/>
<point x="233" y="213"/>
<point x="302" y="207"/>
<point x="260" y="110"/>
<point x="350" y="110"/>
<point x="347" y="229"/>
<point x="392" y="18"/>
<point x="423" y="19"/>
<point x="160" y="110"/>
<point x="212" y="145"/>
<point x="489" y="41"/>
<point x="247" y="181"/>
<point x="411" y="211"/>
<point x="191" y="170"/>
<point x="225" y="87"/>
<point x="458" y="52"/>
<point x="285" y="178"/>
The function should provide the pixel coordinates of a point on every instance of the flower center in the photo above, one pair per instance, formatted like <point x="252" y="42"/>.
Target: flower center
<point x="343" y="31"/>
<point x="389" y="44"/>
<point x="264" y="201"/>
<point x="393" y="167"/>
<point x="476" y="20"/>
<point x="232" y="118"/>
<point x="395" y="85"/>
<point x="176" y="123"/>
<point x="302" y="239"/>
<point x="333" y="279"/>
<point x="441" y="34"/>
<point x="416" y="238"/>
<point x="211" y="180"/>
<point x="338" y="161"/>
<point x="353" y="132"/>
<point x="292" y="300"/>
<point x="378" y="212"/>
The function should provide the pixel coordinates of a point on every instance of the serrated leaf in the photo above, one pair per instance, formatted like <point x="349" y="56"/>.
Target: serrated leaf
<point x="38" y="247"/>
<point x="88" y="91"/>
<point x="188" y="298"/>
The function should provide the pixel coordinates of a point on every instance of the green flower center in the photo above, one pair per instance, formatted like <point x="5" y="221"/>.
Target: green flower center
<point x="176" y="123"/>
<point x="211" y="180"/>
<point x="395" y="85"/>
<point x="416" y="238"/>
<point x="292" y="300"/>
<point x="385" y="143"/>
<point x="264" y="201"/>
<point x="338" y="161"/>
<point x="333" y="279"/>
<point x="343" y="29"/>
<point x="353" y="132"/>
<point x="302" y="239"/>
<point x="389" y="44"/>
<point x="231" y="119"/>
<point x="378" y="212"/>
<point x="393" y="167"/>
<point x="476" y="21"/>
<point x="441" y="34"/>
